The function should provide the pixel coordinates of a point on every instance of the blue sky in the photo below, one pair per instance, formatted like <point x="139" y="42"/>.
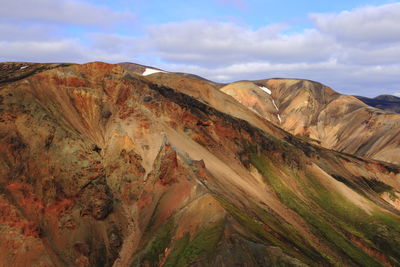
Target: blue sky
<point x="352" y="46"/>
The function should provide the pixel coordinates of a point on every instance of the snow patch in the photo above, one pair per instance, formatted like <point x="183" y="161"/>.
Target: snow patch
<point x="273" y="102"/>
<point x="265" y="89"/>
<point x="150" y="71"/>
<point x="23" y="67"/>
<point x="276" y="107"/>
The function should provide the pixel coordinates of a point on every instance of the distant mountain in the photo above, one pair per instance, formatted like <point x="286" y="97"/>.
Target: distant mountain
<point x="385" y="102"/>
<point x="390" y="98"/>
<point x="317" y="112"/>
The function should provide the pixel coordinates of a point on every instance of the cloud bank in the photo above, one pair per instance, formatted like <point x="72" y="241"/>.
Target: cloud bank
<point x="355" y="51"/>
<point x="62" y="12"/>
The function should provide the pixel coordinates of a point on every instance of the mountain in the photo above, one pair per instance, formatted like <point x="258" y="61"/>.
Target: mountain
<point x="385" y="102"/>
<point x="316" y="112"/>
<point x="390" y="98"/>
<point x="104" y="166"/>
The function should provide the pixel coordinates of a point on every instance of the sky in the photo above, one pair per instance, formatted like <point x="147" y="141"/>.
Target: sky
<point x="352" y="46"/>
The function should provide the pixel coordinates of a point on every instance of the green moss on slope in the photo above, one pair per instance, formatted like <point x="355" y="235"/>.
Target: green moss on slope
<point x="281" y="235"/>
<point x="201" y="247"/>
<point x="177" y="251"/>
<point x="327" y="214"/>
<point x="153" y="251"/>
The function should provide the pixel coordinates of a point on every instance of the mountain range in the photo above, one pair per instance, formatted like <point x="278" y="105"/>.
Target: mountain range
<point x="385" y="102"/>
<point x="129" y="165"/>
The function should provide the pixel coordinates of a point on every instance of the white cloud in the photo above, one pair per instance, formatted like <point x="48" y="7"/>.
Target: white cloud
<point x="113" y="42"/>
<point x="70" y="12"/>
<point x="68" y="50"/>
<point x="17" y="32"/>
<point x="41" y="51"/>
<point x="367" y="24"/>
<point x="216" y="43"/>
<point x="355" y="51"/>
<point x="41" y="31"/>
<point x="388" y="54"/>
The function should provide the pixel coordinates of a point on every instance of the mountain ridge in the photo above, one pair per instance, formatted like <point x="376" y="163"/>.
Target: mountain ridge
<point x="315" y="111"/>
<point x="385" y="102"/>
<point x="105" y="167"/>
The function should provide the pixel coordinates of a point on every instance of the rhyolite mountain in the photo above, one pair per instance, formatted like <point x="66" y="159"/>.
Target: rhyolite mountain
<point x="385" y="102"/>
<point x="316" y="112"/>
<point x="127" y="165"/>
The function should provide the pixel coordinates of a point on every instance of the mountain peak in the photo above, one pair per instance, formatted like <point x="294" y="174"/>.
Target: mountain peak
<point x="390" y="98"/>
<point x="388" y="103"/>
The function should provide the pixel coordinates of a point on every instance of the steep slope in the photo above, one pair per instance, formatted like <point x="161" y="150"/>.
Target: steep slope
<point x="258" y="98"/>
<point x="204" y="91"/>
<point x="385" y="102"/>
<point x="314" y="111"/>
<point x="101" y="167"/>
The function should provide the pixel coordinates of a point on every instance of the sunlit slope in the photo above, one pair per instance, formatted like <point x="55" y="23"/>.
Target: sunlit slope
<point x="314" y="111"/>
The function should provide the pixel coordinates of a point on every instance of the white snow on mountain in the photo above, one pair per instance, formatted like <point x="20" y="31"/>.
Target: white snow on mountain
<point x="273" y="102"/>
<point x="150" y="71"/>
<point x="265" y="89"/>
